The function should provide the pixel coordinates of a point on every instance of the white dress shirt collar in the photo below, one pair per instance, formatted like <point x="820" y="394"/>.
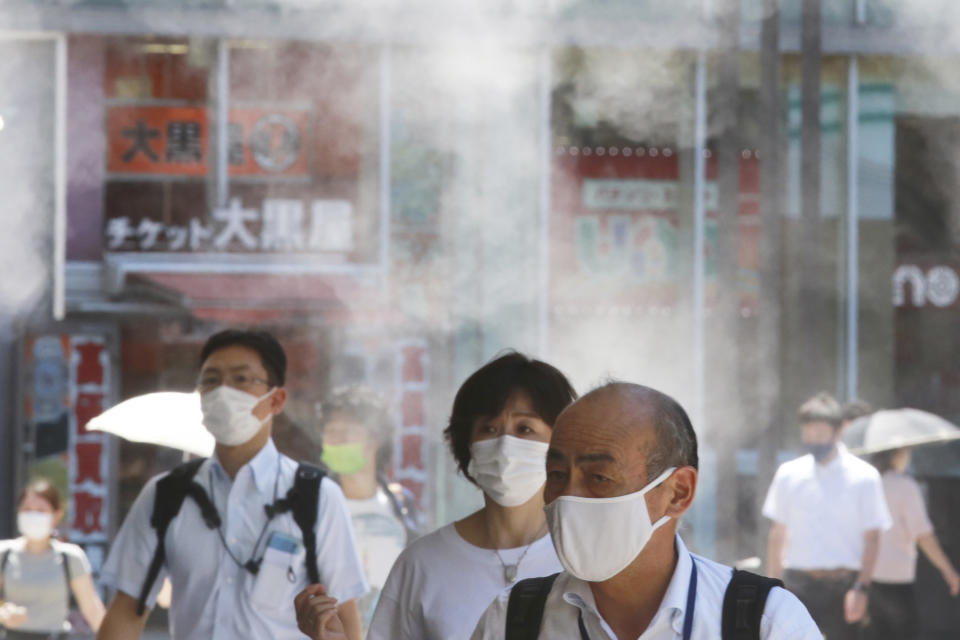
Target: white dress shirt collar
<point x="579" y="594"/>
<point x="263" y="466"/>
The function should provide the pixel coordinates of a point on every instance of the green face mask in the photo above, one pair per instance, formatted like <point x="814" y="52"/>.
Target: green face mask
<point x="344" y="458"/>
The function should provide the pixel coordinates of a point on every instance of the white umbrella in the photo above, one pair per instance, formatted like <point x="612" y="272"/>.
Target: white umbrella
<point x="896" y="428"/>
<point x="168" y="418"/>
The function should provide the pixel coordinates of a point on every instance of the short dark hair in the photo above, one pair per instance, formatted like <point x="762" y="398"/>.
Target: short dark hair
<point x="271" y="354"/>
<point x="367" y="407"/>
<point x="822" y="407"/>
<point x="856" y="408"/>
<point x="43" y="488"/>
<point x="882" y="460"/>
<point x="487" y="390"/>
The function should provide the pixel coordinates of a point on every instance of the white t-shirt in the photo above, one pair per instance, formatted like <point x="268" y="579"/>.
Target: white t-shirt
<point x="441" y="584"/>
<point x="784" y="617"/>
<point x="380" y="537"/>
<point x="826" y="510"/>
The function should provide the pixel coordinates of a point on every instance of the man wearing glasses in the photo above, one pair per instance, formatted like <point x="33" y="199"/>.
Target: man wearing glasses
<point x="237" y="579"/>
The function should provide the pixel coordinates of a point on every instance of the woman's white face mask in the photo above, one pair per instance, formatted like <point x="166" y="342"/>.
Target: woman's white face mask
<point x="597" y="538"/>
<point x="228" y="414"/>
<point x="510" y="470"/>
<point x="35" y="525"/>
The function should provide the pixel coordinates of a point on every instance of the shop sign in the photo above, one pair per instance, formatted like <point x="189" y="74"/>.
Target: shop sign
<point x="639" y="195"/>
<point x="413" y="386"/>
<point x="68" y="385"/>
<point x="916" y="286"/>
<point x="288" y="225"/>
<point x="176" y="141"/>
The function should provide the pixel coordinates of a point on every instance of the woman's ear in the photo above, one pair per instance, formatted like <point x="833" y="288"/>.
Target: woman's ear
<point x="682" y="485"/>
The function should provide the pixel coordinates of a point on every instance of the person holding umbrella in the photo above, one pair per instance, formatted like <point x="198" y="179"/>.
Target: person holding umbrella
<point x="887" y="438"/>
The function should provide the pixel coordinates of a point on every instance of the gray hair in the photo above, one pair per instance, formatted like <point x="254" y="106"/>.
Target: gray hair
<point x="676" y="441"/>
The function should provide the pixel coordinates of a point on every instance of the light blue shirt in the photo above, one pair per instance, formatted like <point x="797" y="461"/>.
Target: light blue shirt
<point x="213" y="597"/>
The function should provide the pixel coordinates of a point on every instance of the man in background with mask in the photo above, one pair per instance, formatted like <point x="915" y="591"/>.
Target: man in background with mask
<point x="621" y="471"/>
<point x="828" y="511"/>
<point x="237" y="579"/>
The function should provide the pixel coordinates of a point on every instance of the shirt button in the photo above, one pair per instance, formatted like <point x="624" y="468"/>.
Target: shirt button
<point x="233" y="541"/>
<point x="229" y="580"/>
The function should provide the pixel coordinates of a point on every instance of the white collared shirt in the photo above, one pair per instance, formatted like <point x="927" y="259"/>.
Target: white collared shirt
<point x="213" y="597"/>
<point x="826" y="509"/>
<point x="784" y="617"/>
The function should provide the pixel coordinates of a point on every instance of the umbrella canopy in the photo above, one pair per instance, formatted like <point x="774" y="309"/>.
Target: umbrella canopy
<point x="896" y="428"/>
<point x="168" y="418"/>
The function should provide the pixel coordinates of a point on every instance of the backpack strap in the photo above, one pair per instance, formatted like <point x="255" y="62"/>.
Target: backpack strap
<point x="525" y="607"/>
<point x="743" y="605"/>
<point x="303" y="500"/>
<point x="68" y="576"/>
<point x="171" y="491"/>
<point x="3" y="571"/>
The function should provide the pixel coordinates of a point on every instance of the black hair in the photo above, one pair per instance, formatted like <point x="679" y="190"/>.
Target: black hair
<point x="487" y="390"/>
<point x="366" y="406"/>
<point x="271" y="354"/>
<point x="883" y="460"/>
<point x="856" y="408"/>
<point x="821" y="408"/>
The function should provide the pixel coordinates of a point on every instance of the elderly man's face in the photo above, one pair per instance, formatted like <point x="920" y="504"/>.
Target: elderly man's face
<point x="599" y="448"/>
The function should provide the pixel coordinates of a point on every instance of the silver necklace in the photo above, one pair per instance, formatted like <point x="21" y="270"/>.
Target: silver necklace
<point x="510" y="570"/>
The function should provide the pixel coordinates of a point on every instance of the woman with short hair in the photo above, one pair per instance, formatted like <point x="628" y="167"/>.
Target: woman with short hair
<point x="441" y="584"/>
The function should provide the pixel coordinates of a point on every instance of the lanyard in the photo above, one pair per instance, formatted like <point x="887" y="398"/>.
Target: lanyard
<point x="687" y="617"/>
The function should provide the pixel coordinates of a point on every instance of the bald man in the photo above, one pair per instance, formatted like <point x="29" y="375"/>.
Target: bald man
<point x="621" y="471"/>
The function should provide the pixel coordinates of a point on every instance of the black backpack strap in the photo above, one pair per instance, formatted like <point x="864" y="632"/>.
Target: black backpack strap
<point x="304" y="500"/>
<point x="68" y="576"/>
<point x="743" y="605"/>
<point x="3" y="571"/>
<point x="171" y="491"/>
<point x="525" y="607"/>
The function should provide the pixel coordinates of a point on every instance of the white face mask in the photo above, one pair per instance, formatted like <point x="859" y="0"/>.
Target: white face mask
<point x="509" y="470"/>
<point x="597" y="538"/>
<point x="35" y="525"/>
<point x="228" y="414"/>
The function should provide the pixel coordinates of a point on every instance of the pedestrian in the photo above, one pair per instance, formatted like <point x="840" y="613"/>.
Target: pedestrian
<point x="241" y="533"/>
<point x="621" y="471"/>
<point x="39" y="575"/>
<point x="358" y="434"/>
<point x="893" y="601"/>
<point x="827" y="510"/>
<point x="499" y="427"/>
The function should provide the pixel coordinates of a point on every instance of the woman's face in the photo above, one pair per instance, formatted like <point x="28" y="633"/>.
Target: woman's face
<point x="518" y="419"/>
<point x="901" y="460"/>
<point x="28" y="511"/>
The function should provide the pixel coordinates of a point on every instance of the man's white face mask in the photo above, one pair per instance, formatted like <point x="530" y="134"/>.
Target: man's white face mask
<point x="597" y="538"/>
<point x="228" y="414"/>
<point x="510" y="470"/>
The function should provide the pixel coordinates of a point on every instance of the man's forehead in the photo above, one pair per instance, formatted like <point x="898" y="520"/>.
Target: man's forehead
<point x="603" y="425"/>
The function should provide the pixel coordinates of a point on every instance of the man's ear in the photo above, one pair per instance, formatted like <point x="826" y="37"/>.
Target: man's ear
<point x="681" y="487"/>
<point x="278" y="400"/>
